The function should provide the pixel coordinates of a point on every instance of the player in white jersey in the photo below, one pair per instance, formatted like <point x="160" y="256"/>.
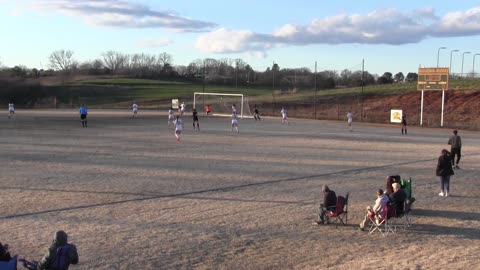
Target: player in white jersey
<point x="11" y="110"/>
<point x="350" y="120"/>
<point x="235" y="122"/>
<point x="178" y="128"/>
<point x="182" y="108"/>
<point x="171" y="116"/>
<point x="284" y="116"/>
<point x="135" y="109"/>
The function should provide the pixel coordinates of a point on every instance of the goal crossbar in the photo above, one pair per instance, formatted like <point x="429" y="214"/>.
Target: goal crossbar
<point x="218" y="94"/>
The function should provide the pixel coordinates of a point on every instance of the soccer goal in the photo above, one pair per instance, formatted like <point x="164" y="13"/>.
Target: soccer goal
<point x="218" y="103"/>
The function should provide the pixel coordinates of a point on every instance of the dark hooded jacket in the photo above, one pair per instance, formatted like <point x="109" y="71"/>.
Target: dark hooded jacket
<point x="59" y="244"/>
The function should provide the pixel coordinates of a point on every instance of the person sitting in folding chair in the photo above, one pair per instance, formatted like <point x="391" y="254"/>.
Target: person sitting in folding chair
<point x="7" y="262"/>
<point x="398" y="198"/>
<point x="329" y="204"/>
<point x="59" y="255"/>
<point x="4" y="253"/>
<point x="380" y="204"/>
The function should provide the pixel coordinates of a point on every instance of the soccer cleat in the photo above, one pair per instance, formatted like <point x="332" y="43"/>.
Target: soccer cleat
<point x="441" y="194"/>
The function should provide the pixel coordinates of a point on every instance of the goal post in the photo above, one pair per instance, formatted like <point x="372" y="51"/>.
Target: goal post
<point x="221" y="95"/>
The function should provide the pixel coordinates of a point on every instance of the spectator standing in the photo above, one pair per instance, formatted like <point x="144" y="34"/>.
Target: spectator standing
<point x="456" y="148"/>
<point x="444" y="171"/>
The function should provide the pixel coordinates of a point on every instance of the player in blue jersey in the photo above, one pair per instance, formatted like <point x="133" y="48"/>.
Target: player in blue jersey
<point x="83" y="115"/>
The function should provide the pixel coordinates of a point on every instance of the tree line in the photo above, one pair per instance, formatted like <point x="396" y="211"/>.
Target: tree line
<point x="224" y="71"/>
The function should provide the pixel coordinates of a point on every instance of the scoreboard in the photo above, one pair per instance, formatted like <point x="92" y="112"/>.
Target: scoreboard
<point x="432" y="79"/>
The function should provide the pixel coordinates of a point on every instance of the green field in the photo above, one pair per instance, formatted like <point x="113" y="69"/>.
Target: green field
<point x="117" y="90"/>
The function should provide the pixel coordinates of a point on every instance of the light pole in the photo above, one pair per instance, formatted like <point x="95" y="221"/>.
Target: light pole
<point x="450" y="68"/>
<point x="473" y="68"/>
<point x="438" y="53"/>
<point x="463" y="56"/>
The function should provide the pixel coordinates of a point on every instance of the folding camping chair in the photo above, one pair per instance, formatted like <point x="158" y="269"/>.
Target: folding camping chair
<point x="402" y="218"/>
<point x="341" y="211"/>
<point x="382" y="221"/>
<point x="407" y="187"/>
<point x="10" y="265"/>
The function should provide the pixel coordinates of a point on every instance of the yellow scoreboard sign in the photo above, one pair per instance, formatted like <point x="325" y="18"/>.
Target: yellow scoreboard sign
<point x="432" y="79"/>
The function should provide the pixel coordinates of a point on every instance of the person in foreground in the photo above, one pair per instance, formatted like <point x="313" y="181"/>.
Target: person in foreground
<point x="58" y="257"/>
<point x="4" y="253"/>
<point x="329" y="204"/>
<point x="444" y="171"/>
<point x="379" y="207"/>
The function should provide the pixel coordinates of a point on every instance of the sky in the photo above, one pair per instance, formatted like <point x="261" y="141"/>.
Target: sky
<point x="390" y="36"/>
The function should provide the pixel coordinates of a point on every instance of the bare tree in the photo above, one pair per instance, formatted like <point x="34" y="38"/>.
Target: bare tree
<point x="143" y="64"/>
<point x="164" y="58"/>
<point x="115" y="61"/>
<point x="62" y="60"/>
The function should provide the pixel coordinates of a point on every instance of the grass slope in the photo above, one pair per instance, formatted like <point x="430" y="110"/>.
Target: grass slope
<point x="115" y="90"/>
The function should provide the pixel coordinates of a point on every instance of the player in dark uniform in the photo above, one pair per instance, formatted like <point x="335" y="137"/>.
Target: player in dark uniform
<point x="256" y="115"/>
<point x="404" y="123"/>
<point x="195" y="119"/>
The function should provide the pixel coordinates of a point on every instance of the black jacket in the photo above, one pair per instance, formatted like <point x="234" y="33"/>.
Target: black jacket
<point x="330" y="200"/>
<point x="399" y="199"/>
<point x="444" y="166"/>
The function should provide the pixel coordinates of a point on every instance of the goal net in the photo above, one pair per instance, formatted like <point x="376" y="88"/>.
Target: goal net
<point x="220" y="103"/>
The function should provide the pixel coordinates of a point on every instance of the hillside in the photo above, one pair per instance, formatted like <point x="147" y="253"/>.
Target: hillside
<point x="461" y="101"/>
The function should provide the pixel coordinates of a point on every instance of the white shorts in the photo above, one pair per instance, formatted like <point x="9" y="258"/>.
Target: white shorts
<point x="234" y="122"/>
<point x="135" y="111"/>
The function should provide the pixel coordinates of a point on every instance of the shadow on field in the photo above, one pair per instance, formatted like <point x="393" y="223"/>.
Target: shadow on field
<point x="306" y="202"/>
<point x="146" y="197"/>
<point x="447" y="214"/>
<point x="470" y="233"/>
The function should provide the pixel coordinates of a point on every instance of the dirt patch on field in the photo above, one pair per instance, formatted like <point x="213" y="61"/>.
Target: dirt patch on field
<point x="131" y="197"/>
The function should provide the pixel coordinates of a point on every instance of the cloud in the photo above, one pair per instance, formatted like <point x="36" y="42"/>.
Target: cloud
<point x="120" y="13"/>
<point x="226" y="41"/>
<point x="385" y="26"/>
<point x="255" y="55"/>
<point x="155" y="43"/>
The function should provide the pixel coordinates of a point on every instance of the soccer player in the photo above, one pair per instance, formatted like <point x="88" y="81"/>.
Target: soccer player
<point x="135" y="109"/>
<point x="235" y="122"/>
<point x="171" y="116"/>
<point x="178" y="128"/>
<point x="284" y="116"/>
<point x="11" y="110"/>
<point x="350" y="120"/>
<point x="256" y="115"/>
<point x="182" y="108"/>
<point x="234" y="109"/>
<point x="404" y="122"/>
<point x="195" y="119"/>
<point x="83" y="115"/>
